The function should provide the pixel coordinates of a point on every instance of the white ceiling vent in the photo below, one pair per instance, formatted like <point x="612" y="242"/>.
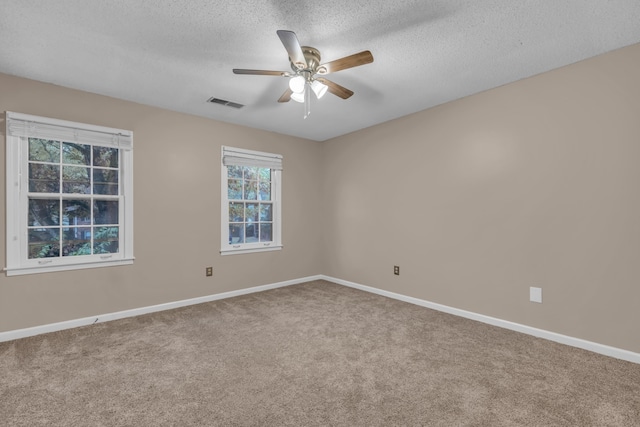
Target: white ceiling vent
<point x="215" y="100"/>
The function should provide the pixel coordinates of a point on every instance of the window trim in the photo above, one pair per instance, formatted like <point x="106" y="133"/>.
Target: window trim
<point x="231" y="155"/>
<point x="19" y="127"/>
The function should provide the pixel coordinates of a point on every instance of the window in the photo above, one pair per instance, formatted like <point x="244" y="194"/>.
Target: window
<point x="250" y="201"/>
<point x="69" y="195"/>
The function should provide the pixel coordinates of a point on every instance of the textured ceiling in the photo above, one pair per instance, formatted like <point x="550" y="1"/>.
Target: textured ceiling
<point x="176" y="54"/>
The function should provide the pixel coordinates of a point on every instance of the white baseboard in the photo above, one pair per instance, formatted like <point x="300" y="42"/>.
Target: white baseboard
<point x="540" y="333"/>
<point x="52" y="327"/>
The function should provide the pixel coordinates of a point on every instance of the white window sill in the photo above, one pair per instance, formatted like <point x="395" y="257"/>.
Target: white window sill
<point x="249" y="250"/>
<point x="18" y="271"/>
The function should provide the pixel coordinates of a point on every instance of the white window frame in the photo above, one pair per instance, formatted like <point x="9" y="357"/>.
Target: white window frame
<point x="238" y="156"/>
<point x="19" y="127"/>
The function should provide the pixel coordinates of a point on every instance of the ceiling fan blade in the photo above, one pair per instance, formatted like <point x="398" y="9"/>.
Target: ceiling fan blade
<point x="261" y="72"/>
<point x="290" y="42"/>
<point x="335" y="88"/>
<point x="286" y="96"/>
<point x="355" y="60"/>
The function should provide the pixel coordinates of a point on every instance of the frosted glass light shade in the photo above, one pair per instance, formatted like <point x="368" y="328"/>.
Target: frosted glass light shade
<point x="319" y="88"/>
<point x="296" y="84"/>
<point x="298" y="96"/>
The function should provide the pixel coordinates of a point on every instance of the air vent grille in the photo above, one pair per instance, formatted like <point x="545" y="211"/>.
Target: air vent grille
<point x="224" y="102"/>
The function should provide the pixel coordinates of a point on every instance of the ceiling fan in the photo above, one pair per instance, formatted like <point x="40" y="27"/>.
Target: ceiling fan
<point x="307" y="71"/>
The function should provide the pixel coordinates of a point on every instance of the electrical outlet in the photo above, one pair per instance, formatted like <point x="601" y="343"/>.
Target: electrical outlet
<point x="209" y="271"/>
<point x="396" y="270"/>
<point x="535" y="294"/>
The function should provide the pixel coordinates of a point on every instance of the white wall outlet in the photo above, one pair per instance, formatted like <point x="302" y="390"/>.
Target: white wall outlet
<point x="535" y="294"/>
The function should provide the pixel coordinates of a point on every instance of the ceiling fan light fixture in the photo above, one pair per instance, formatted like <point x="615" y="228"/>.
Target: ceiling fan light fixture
<point x="298" y="96"/>
<point x="319" y="88"/>
<point x="296" y="84"/>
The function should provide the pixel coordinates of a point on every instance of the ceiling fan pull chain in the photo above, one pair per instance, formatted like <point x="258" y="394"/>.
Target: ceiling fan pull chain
<point x="307" y="101"/>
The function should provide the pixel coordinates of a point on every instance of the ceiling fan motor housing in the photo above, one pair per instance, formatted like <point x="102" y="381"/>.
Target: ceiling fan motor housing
<point x="312" y="56"/>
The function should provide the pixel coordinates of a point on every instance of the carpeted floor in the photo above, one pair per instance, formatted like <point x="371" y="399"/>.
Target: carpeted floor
<point x="315" y="354"/>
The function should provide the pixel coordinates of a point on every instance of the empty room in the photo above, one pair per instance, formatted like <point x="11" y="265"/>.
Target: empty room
<point x="297" y="213"/>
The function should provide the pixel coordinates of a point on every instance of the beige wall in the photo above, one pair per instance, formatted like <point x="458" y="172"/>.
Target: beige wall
<point x="530" y="184"/>
<point x="177" y="212"/>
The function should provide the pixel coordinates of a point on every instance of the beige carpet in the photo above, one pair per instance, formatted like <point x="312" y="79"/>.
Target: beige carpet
<point x="315" y="354"/>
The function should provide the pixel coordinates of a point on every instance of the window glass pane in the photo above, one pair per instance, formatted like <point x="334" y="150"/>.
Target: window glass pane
<point x="236" y="212"/>
<point x="234" y="172"/>
<point x="44" y="178"/>
<point x="235" y="189"/>
<point x="76" y="241"/>
<point x="44" y="150"/>
<point x="76" y="212"/>
<point x="44" y="242"/>
<point x="76" y="154"/>
<point x="43" y="212"/>
<point x="266" y="212"/>
<point x="250" y="172"/>
<point x="265" y="190"/>
<point x="75" y="179"/>
<point x="251" y="190"/>
<point x="236" y="233"/>
<point x="105" y="181"/>
<point x="252" y="212"/>
<point x="251" y="233"/>
<point x="105" y="212"/>
<point x="266" y="232"/>
<point x="106" y="240"/>
<point x="264" y="174"/>
<point x="106" y="157"/>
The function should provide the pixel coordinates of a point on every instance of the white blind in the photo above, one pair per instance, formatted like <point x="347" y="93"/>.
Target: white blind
<point x="24" y="125"/>
<point x="239" y="157"/>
